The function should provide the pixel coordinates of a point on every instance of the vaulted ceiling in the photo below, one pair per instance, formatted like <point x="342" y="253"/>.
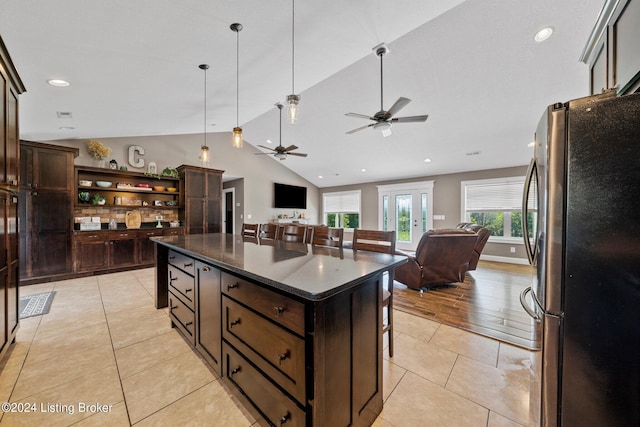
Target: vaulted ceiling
<point x="471" y="65"/>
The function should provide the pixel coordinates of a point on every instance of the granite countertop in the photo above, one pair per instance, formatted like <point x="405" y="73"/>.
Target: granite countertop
<point x="310" y="272"/>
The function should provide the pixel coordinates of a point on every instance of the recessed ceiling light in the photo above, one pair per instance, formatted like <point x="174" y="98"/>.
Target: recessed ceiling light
<point x="363" y="170"/>
<point x="66" y="128"/>
<point x="472" y="153"/>
<point x="531" y="144"/>
<point x="320" y="176"/>
<point x="268" y="141"/>
<point x="543" y="34"/>
<point x="64" y="114"/>
<point x="427" y="160"/>
<point x="58" y="82"/>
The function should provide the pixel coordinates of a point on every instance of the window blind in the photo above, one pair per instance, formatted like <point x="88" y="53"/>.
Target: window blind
<point x="494" y="196"/>
<point x="344" y="202"/>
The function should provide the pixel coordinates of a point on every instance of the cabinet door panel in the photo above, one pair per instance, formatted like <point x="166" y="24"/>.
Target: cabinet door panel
<point x="12" y="147"/>
<point x="52" y="170"/>
<point x="3" y="88"/>
<point x="91" y="255"/>
<point x="123" y="252"/>
<point x="626" y="33"/>
<point x="209" y="333"/>
<point x="194" y="212"/>
<point x="214" y="215"/>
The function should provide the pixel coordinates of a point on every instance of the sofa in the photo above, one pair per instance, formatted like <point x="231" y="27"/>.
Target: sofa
<point x="483" y="236"/>
<point x="442" y="257"/>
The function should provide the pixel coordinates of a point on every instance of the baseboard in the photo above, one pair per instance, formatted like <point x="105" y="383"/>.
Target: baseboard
<point x="510" y="260"/>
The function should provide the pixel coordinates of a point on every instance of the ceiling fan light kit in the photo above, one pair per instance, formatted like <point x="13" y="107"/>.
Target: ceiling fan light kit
<point x="237" y="140"/>
<point x="385" y="118"/>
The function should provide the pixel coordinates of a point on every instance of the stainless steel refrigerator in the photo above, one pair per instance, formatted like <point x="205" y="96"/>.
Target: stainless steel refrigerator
<point x="582" y="231"/>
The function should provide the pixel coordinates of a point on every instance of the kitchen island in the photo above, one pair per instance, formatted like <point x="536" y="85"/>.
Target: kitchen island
<point x="294" y="330"/>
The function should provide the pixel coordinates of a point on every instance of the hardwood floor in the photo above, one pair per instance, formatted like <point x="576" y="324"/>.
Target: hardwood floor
<point x="487" y="303"/>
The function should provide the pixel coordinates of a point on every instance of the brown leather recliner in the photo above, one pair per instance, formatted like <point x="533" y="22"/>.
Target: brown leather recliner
<point x="442" y="257"/>
<point x="483" y="236"/>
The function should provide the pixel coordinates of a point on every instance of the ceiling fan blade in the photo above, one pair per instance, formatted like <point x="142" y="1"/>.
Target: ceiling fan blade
<point x="399" y="105"/>
<point x="410" y="119"/>
<point x="268" y="148"/>
<point x="359" y="129"/>
<point x="360" y="116"/>
<point x="289" y="148"/>
<point x="297" y="154"/>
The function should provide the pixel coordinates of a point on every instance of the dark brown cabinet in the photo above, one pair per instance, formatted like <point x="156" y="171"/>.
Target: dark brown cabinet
<point x="46" y="210"/>
<point x="10" y="87"/>
<point x="146" y="253"/>
<point x="207" y="311"/>
<point x="90" y="251"/>
<point x="201" y="195"/>
<point x="612" y="49"/>
<point x="123" y="248"/>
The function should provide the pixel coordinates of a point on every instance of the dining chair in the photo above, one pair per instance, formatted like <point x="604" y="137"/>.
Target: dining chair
<point x="249" y="230"/>
<point x="326" y="236"/>
<point x="294" y="233"/>
<point x="382" y="242"/>
<point x="268" y="231"/>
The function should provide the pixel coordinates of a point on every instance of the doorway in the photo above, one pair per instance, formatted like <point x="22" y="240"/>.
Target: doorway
<point x="407" y="209"/>
<point x="229" y="209"/>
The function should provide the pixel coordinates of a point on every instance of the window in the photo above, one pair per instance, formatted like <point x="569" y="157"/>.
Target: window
<point x="342" y="209"/>
<point x="496" y="204"/>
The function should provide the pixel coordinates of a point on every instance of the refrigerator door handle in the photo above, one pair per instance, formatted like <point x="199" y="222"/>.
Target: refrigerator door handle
<point x="523" y="302"/>
<point x="529" y="249"/>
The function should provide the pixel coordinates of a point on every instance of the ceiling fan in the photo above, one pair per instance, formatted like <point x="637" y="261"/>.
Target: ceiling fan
<point x="383" y="119"/>
<point x="281" y="152"/>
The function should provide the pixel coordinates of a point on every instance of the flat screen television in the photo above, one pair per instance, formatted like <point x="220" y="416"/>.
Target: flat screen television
<point x="289" y="196"/>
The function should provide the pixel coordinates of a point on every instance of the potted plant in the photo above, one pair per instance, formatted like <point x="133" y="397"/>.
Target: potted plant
<point x="98" y="199"/>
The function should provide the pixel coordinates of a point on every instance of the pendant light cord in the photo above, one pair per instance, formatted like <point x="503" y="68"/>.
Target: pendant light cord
<point x="204" y="129"/>
<point x="237" y="78"/>
<point x="293" y="19"/>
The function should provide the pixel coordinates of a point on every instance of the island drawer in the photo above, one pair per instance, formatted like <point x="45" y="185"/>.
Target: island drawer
<point x="183" y="285"/>
<point x="182" y="317"/>
<point x="183" y="262"/>
<point x="277" y="408"/>
<point x="279" y="308"/>
<point x="278" y="352"/>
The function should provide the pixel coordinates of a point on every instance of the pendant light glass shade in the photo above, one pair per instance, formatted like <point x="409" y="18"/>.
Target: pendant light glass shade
<point x="237" y="137"/>
<point x="205" y="158"/>
<point x="237" y="141"/>
<point x="293" y="100"/>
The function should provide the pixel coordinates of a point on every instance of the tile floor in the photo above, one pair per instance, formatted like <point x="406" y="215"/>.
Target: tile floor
<point x="103" y="343"/>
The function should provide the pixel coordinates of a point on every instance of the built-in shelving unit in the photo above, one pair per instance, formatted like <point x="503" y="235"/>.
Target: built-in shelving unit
<point x="131" y="196"/>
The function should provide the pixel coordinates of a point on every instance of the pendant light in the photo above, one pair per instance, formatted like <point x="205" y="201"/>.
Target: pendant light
<point x="204" y="149"/>
<point x="293" y="100"/>
<point x="237" y="131"/>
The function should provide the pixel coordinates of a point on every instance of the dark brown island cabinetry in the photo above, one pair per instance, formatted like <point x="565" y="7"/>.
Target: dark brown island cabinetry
<point x="10" y="87"/>
<point x="201" y="195"/>
<point x="46" y="210"/>
<point x="612" y="48"/>
<point x="295" y="345"/>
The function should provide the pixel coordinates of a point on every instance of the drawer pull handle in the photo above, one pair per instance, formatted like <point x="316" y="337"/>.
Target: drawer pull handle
<point x="188" y="290"/>
<point x="278" y="310"/>
<point x="188" y="324"/>
<point x="206" y="268"/>
<point x="234" y="323"/>
<point x="282" y="357"/>
<point x="233" y="285"/>
<point x="235" y="371"/>
<point x="286" y="418"/>
<point x="172" y="257"/>
<point x="188" y="264"/>
<point x="173" y="278"/>
<point x="174" y="307"/>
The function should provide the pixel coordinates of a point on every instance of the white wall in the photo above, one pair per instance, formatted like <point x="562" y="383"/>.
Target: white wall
<point x="259" y="171"/>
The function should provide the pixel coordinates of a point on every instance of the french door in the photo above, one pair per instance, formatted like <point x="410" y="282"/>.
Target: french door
<point x="407" y="209"/>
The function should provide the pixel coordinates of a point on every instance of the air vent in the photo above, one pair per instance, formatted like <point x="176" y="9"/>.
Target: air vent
<point x="64" y="114"/>
<point x="472" y="153"/>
